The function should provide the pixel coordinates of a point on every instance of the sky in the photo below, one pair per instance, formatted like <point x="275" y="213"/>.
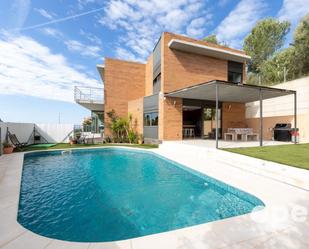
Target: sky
<point x="48" y="47"/>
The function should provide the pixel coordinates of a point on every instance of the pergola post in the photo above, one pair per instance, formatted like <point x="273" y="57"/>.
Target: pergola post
<point x="217" y="115"/>
<point x="261" y="117"/>
<point x="295" y="115"/>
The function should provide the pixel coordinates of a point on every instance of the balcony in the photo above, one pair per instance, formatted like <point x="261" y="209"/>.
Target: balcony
<point x="91" y="98"/>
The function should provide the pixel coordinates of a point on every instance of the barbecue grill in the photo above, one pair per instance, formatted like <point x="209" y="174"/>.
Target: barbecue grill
<point x="282" y="132"/>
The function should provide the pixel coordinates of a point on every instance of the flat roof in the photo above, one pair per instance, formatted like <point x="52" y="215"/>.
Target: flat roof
<point x="101" y="69"/>
<point x="229" y="92"/>
<point x="195" y="48"/>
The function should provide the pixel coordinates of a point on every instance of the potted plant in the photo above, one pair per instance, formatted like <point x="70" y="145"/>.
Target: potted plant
<point x="140" y="139"/>
<point x="72" y="140"/>
<point x="7" y="148"/>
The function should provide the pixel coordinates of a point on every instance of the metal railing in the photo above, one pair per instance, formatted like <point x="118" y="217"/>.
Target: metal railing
<point x="89" y="95"/>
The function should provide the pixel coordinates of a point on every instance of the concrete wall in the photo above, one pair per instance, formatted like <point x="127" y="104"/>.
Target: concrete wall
<point x="21" y="130"/>
<point x="124" y="81"/>
<point x="281" y="110"/>
<point x="53" y="133"/>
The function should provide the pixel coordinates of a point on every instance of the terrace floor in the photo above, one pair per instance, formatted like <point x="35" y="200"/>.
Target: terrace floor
<point x="283" y="223"/>
<point x="209" y="143"/>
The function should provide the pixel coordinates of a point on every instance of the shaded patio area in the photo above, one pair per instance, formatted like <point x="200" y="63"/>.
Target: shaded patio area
<point x="219" y="92"/>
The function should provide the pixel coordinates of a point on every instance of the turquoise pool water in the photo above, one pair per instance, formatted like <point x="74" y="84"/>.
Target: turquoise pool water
<point x="114" y="194"/>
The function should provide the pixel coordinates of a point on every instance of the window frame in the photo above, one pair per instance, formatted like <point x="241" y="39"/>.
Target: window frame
<point x="151" y="118"/>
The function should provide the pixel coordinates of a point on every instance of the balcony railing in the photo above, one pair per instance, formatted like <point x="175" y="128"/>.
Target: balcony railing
<point x="88" y="95"/>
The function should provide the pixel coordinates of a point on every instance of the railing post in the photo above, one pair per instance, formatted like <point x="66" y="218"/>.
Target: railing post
<point x="261" y="117"/>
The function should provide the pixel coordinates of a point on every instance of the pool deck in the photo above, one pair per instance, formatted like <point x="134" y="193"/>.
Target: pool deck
<point x="283" y="223"/>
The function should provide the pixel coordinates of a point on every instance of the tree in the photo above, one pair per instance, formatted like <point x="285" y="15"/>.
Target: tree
<point x="265" y="39"/>
<point x="301" y="44"/>
<point x="272" y="70"/>
<point x="211" y="39"/>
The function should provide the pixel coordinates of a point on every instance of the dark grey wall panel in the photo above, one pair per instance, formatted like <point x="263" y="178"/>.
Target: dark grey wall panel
<point x="151" y="132"/>
<point x="151" y="103"/>
<point x="157" y="59"/>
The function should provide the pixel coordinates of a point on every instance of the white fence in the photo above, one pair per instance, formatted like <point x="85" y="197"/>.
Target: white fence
<point x="51" y="133"/>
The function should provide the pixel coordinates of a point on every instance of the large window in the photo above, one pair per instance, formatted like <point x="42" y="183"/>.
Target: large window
<point x="151" y="119"/>
<point x="235" y="71"/>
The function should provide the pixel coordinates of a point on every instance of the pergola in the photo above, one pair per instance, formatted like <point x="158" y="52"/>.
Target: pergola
<point x="218" y="90"/>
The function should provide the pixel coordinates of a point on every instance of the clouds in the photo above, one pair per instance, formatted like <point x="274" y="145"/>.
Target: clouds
<point x="90" y="37"/>
<point x="45" y="13"/>
<point x="30" y="68"/>
<point x="240" y="21"/>
<point x="143" y="21"/>
<point x="75" y="46"/>
<point x="83" y="49"/>
<point x="14" y="13"/>
<point x="293" y="10"/>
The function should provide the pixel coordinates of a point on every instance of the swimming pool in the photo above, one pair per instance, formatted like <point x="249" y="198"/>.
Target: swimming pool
<point x="113" y="194"/>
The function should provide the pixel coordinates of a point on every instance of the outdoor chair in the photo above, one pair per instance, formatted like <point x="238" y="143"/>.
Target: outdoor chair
<point x="15" y="141"/>
<point x="81" y="139"/>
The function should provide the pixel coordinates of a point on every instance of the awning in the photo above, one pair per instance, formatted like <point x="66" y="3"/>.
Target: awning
<point x="195" y="48"/>
<point x="228" y="92"/>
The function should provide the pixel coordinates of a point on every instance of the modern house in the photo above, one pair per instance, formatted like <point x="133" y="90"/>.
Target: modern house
<point x="187" y="88"/>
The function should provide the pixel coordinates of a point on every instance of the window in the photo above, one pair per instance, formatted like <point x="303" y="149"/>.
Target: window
<point x="154" y="119"/>
<point x="235" y="71"/>
<point x="151" y="119"/>
<point x="147" y="119"/>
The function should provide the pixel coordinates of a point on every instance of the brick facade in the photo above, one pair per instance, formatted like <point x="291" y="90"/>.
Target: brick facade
<point x="123" y="81"/>
<point x="233" y="116"/>
<point x="183" y="69"/>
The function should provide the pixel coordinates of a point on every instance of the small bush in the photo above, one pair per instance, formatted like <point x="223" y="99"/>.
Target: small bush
<point x="7" y="145"/>
<point x="122" y="128"/>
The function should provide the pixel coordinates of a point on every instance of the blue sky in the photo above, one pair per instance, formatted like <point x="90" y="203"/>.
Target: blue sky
<point x="48" y="47"/>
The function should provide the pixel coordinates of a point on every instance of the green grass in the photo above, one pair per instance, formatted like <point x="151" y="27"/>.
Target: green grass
<point x="296" y="155"/>
<point x="68" y="146"/>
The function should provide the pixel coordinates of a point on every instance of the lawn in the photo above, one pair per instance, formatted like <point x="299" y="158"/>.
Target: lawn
<point x="296" y="155"/>
<point x="68" y="146"/>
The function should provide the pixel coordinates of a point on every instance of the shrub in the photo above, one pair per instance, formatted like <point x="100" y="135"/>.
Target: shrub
<point x="7" y="145"/>
<point x="122" y="128"/>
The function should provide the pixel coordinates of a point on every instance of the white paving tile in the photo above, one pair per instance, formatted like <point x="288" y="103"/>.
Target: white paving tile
<point x="125" y="244"/>
<point x="60" y="244"/>
<point x="197" y="237"/>
<point x="28" y="240"/>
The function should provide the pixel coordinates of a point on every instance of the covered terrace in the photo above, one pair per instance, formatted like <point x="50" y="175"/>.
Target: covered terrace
<point x="224" y="91"/>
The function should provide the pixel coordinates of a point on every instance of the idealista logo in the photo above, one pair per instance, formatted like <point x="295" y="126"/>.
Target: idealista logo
<point x="277" y="214"/>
